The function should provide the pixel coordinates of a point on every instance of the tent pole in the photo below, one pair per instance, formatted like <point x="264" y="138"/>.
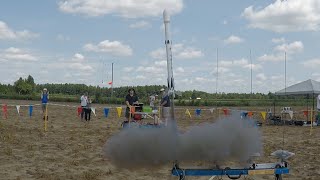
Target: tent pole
<point x="307" y="107"/>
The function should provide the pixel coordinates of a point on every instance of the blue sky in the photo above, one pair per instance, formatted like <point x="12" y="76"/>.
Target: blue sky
<point x="76" y="41"/>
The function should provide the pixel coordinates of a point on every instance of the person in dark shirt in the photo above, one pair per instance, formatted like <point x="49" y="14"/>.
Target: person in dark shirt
<point x="131" y="99"/>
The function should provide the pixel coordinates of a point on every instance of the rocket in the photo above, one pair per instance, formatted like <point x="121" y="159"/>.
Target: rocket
<point x="168" y="43"/>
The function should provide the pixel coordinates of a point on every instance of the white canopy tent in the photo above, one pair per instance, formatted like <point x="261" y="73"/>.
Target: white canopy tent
<point x="308" y="87"/>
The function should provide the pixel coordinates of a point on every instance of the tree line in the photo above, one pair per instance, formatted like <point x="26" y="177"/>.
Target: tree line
<point x="28" y="89"/>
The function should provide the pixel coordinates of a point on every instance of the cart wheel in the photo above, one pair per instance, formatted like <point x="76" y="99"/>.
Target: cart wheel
<point x="278" y="177"/>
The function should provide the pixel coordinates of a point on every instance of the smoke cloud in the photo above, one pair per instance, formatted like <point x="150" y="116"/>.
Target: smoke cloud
<point x="230" y="138"/>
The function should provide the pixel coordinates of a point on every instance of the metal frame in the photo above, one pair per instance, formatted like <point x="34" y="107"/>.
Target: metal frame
<point x="276" y="169"/>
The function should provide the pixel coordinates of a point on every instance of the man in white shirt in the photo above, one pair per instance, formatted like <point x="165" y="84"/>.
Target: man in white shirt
<point x="84" y="103"/>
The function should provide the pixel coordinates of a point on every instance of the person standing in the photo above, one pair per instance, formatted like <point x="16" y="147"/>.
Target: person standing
<point x="165" y="105"/>
<point x="84" y="103"/>
<point x="87" y="113"/>
<point x="44" y="101"/>
<point x="131" y="99"/>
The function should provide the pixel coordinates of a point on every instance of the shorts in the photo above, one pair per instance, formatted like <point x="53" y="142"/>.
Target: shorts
<point x="44" y="106"/>
<point x="166" y="112"/>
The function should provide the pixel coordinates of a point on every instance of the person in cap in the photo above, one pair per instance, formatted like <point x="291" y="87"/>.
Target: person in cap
<point x="131" y="99"/>
<point x="44" y="101"/>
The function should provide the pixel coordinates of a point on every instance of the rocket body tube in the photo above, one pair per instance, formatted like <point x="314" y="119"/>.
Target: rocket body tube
<point x="170" y="79"/>
<point x="168" y="44"/>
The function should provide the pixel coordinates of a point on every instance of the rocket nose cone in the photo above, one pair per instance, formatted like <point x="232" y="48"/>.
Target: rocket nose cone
<point x="166" y="17"/>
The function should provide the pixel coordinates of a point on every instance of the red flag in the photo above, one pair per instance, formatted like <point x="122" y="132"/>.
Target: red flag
<point x="305" y="112"/>
<point x="110" y="82"/>
<point x="79" y="110"/>
<point x="226" y="111"/>
<point x="5" y="110"/>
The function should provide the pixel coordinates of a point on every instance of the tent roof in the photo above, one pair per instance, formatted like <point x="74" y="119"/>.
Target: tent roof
<point x="306" y="87"/>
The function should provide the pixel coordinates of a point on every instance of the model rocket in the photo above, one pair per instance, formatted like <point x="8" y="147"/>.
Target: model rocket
<point x="168" y="43"/>
<point x="166" y="19"/>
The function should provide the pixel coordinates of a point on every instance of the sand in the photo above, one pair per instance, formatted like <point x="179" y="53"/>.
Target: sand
<point x="72" y="149"/>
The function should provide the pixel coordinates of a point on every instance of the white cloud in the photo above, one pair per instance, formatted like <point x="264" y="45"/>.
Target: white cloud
<point x="78" y="57"/>
<point x="278" y="40"/>
<point x="61" y="37"/>
<point x="312" y="63"/>
<point x="113" y="47"/>
<point x="128" y="69"/>
<point x="6" y="33"/>
<point x="80" y="66"/>
<point x="272" y="57"/>
<point x="12" y="53"/>
<point x="261" y="77"/>
<point x="178" y="51"/>
<point x="230" y="63"/>
<point x="279" y="50"/>
<point x="180" y="70"/>
<point x="294" y="47"/>
<point x="233" y="40"/>
<point x="161" y="63"/>
<point x="189" y="53"/>
<point x="285" y="16"/>
<point x="255" y="67"/>
<point x="123" y="8"/>
<point x="140" y="25"/>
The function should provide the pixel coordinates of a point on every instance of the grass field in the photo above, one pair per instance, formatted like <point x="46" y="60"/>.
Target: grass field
<point x="72" y="149"/>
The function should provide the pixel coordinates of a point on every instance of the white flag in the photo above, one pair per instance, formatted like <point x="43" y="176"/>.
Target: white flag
<point x="291" y="114"/>
<point x="18" y="109"/>
<point x="211" y="110"/>
<point x="93" y="109"/>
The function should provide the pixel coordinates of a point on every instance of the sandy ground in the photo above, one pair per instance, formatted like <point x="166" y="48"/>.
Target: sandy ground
<point x="72" y="149"/>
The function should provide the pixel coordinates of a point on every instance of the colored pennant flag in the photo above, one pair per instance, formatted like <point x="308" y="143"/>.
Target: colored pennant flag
<point x="211" y="110"/>
<point x="188" y="113"/>
<point x="264" y="114"/>
<point x="291" y="114"/>
<point x="93" y="109"/>
<point x="119" y="111"/>
<point x="226" y="111"/>
<point x="110" y="82"/>
<point x="106" y="112"/>
<point x="243" y="114"/>
<point x="18" y="109"/>
<point x="5" y="111"/>
<point x="250" y="114"/>
<point x="198" y="112"/>
<point x="305" y="112"/>
<point x="79" y="110"/>
<point x="30" y="110"/>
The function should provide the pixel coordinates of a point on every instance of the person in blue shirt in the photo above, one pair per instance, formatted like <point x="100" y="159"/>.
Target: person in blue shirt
<point x="44" y="101"/>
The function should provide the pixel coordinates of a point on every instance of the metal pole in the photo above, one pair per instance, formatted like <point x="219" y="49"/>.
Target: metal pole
<point x="251" y="71"/>
<point x="111" y="80"/>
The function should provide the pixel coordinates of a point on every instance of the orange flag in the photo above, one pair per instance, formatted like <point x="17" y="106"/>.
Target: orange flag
<point x="250" y="113"/>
